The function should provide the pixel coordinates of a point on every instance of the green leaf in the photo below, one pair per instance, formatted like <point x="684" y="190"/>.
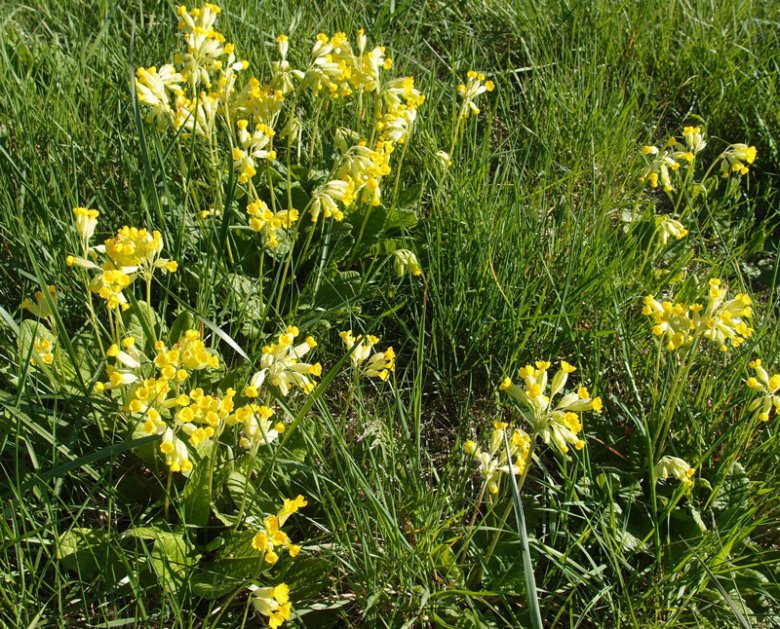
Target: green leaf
<point x="256" y="502"/>
<point x="172" y="556"/>
<point x="734" y="493"/>
<point x="84" y="550"/>
<point x="369" y="225"/>
<point x="306" y="576"/>
<point x="337" y="291"/>
<point x="400" y="218"/>
<point x="29" y="331"/>
<point x="196" y="496"/>
<point x="183" y="322"/>
<point x="235" y="565"/>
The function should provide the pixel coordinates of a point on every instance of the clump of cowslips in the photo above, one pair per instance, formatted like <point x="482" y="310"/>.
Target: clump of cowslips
<point x="663" y="164"/>
<point x="674" y="166"/>
<point x="495" y="461"/>
<point x="557" y="422"/>
<point x="768" y="387"/>
<point x="724" y="322"/>
<point x="203" y="92"/>
<point x="159" y="400"/>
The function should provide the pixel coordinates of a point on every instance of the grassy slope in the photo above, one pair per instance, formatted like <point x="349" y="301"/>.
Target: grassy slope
<point x="522" y="246"/>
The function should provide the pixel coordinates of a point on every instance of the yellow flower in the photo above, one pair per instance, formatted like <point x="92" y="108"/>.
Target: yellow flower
<point x="492" y="463"/>
<point x="694" y="139"/>
<point x="405" y="261"/>
<point x="86" y="222"/>
<point x="557" y="423"/>
<point x="40" y="308"/>
<point x="723" y="321"/>
<point x="135" y="250"/>
<point x="189" y="353"/>
<point x="469" y="92"/>
<point x="735" y="159"/>
<point x="371" y="364"/>
<point x="768" y="386"/>
<point x="43" y="350"/>
<point x="154" y="88"/>
<point x="325" y="199"/>
<point x="672" y="321"/>
<point x="109" y="285"/>
<point x="257" y="427"/>
<point x="676" y="468"/>
<point x="272" y="602"/>
<point x="281" y="365"/>
<point x="659" y="168"/>
<point x="270" y="536"/>
<point x="669" y="227"/>
<point x="175" y="451"/>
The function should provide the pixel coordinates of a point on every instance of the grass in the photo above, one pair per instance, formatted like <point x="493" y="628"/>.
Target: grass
<point x="534" y="245"/>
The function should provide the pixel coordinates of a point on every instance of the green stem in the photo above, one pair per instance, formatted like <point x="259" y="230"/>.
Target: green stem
<point x="250" y="464"/>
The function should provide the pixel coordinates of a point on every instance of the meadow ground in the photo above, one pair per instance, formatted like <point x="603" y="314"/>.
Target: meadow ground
<point x="609" y="217"/>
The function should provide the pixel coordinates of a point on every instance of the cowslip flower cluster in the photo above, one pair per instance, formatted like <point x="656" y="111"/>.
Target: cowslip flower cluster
<point x="269" y="224"/>
<point x="86" y="222"/>
<point x="158" y="403"/>
<point x="405" y="261"/>
<point x="282" y="368"/>
<point x="659" y="167"/>
<point x="768" y="387"/>
<point x="469" y="91"/>
<point x="271" y="536"/>
<point x="495" y="461"/>
<point x="358" y="177"/>
<point x="668" y="227"/>
<point x="365" y="360"/>
<point x="675" y="467"/>
<point x="272" y="602"/>
<point x="255" y="420"/>
<point x="40" y="307"/>
<point x="187" y="354"/>
<point x="187" y="98"/>
<point x="557" y="423"/>
<point x="43" y="350"/>
<point x="130" y="253"/>
<point x="735" y="159"/>
<point x="723" y="321"/>
<point x="662" y="162"/>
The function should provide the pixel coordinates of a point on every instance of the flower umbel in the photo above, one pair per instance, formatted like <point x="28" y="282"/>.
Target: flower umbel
<point x="675" y="467"/>
<point x="559" y="422"/>
<point x="369" y="363"/>
<point x="271" y="536"/>
<point x="494" y="461"/>
<point x="474" y="86"/>
<point x="272" y="602"/>
<point x="723" y="321"/>
<point x="281" y="364"/>
<point x="767" y="386"/>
